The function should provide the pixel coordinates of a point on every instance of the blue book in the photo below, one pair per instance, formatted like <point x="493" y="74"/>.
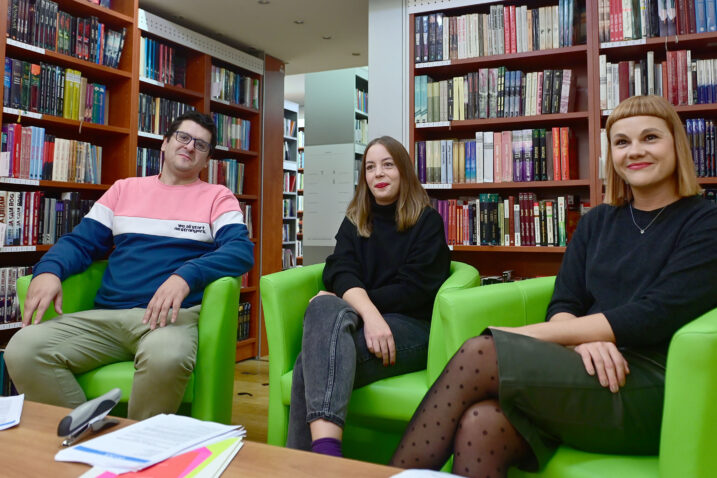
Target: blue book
<point x="700" y="146"/>
<point x="689" y="127"/>
<point x="700" y="16"/>
<point x="711" y="15"/>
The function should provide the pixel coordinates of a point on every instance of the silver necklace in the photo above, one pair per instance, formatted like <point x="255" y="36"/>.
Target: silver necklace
<point x="643" y="229"/>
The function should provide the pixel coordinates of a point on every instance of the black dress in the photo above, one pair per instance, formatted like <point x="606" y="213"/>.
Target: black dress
<point x="648" y="285"/>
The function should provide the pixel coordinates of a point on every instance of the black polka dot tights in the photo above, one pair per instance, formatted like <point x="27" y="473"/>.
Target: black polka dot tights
<point x="460" y="414"/>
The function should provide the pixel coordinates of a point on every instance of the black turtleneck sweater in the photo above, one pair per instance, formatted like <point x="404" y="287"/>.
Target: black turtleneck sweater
<point x="647" y="285"/>
<point x="400" y="271"/>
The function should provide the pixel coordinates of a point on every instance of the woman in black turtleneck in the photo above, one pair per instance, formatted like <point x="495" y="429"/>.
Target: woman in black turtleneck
<point x="373" y="320"/>
<point x="592" y="376"/>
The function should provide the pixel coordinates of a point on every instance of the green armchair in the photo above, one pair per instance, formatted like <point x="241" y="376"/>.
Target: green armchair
<point x="378" y="412"/>
<point x="210" y="389"/>
<point x="688" y="442"/>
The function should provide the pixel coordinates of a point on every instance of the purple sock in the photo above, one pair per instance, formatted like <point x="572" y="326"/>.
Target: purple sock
<point x="327" y="446"/>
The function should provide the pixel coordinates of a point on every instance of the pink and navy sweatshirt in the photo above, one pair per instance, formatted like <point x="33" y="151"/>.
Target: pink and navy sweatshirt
<point x="195" y="230"/>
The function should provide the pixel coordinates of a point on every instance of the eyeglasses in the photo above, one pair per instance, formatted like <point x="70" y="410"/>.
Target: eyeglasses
<point x="199" y="144"/>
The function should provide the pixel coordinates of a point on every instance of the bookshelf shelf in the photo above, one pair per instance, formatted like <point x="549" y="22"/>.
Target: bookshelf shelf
<point x="511" y="249"/>
<point x="68" y="126"/>
<point x="232" y="109"/>
<point x="510" y="122"/>
<point x="574" y="183"/>
<point x="94" y="71"/>
<point x="122" y="11"/>
<point x="527" y="60"/>
<point x="177" y="93"/>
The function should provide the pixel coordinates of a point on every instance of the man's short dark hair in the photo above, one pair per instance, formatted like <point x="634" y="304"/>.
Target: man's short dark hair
<point x="203" y="120"/>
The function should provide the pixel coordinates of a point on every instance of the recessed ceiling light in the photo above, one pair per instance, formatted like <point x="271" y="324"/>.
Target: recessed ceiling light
<point x="263" y="2"/>
<point x="326" y="37"/>
<point x="356" y="53"/>
<point x="299" y="22"/>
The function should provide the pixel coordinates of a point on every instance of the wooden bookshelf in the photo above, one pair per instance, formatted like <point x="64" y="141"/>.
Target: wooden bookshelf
<point x="585" y="119"/>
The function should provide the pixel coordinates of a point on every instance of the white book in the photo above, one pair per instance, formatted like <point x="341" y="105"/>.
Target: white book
<point x="627" y="30"/>
<point x="487" y="156"/>
<point x="446" y="38"/>
<point x="444" y="162"/>
<point x="638" y="79"/>
<point x="449" y="161"/>
<point x="550" y="239"/>
<point x="524" y="27"/>
<point x="548" y="28"/>
<point x="536" y="222"/>
<point x="476" y="20"/>
<point x="480" y="145"/>
<point x="603" y="153"/>
<point x="603" y="82"/>
<point x="650" y="72"/>
<point x="556" y="27"/>
<point x="690" y="90"/>
<point x="643" y="18"/>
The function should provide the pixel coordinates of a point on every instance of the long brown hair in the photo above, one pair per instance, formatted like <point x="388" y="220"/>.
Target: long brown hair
<point x="617" y="191"/>
<point x="412" y="198"/>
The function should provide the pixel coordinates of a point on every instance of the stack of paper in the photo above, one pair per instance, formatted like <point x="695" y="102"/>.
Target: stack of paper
<point x="190" y="446"/>
<point x="10" y="410"/>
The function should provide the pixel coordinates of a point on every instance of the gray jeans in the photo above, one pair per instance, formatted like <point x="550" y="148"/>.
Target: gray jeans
<point x="335" y="360"/>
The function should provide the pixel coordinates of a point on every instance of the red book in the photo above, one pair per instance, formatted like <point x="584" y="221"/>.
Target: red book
<point x="618" y="20"/>
<point x="37" y="199"/>
<point x="513" y="40"/>
<point x="26" y="215"/>
<point x="25" y="153"/>
<point x="452" y="222"/>
<point x="556" y="153"/>
<point x="672" y="95"/>
<point x="568" y="161"/>
<point x="506" y="29"/>
<point x="682" y="68"/>
<point x="665" y="89"/>
<point x="16" y="148"/>
<point x="623" y="73"/>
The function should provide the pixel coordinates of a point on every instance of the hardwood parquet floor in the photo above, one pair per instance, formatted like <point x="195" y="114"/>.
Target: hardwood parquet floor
<point x="251" y="397"/>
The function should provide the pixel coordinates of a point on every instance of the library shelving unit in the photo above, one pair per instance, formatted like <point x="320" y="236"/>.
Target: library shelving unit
<point x="585" y="118"/>
<point x="116" y="135"/>
<point x="300" y="193"/>
<point x="332" y="118"/>
<point x="290" y="200"/>
<point x="225" y="83"/>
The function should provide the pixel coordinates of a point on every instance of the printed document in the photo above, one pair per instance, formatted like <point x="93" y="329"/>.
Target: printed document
<point x="10" y="410"/>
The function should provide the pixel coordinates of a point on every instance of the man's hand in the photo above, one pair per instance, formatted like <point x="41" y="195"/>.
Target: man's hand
<point x="168" y="296"/>
<point x="44" y="288"/>
<point x="379" y="339"/>
<point x="605" y="359"/>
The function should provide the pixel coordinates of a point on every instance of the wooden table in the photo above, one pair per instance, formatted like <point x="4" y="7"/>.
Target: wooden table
<point x="28" y="450"/>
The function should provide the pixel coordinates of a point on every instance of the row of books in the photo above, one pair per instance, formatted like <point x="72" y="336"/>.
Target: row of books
<point x="149" y="162"/>
<point x="289" y="182"/>
<point x="156" y="113"/>
<point x="505" y="29"/>
<point x="679" y="78"/>
<point x="627" y="20"/>
<point x="36" y="217"/>
<point x="290" y="127"/>
<point x="362" y="100"/>
<point x="361" y="131"/>
<point x="246" y="210"/>
<point x="228" y="172"/>
<point x="301" y="139"/>
<point x="9" y="306"/>
<point x="523" y="220"/>
<point x="53" y="90"/>
<point x="502" y="156"/>
<point x="701" y="133"/>
<point x="288" y="258"/>
<point x="300" y="201"/>
<point x="32" y="154"/>
<point x="289" y="208"/>
<point x="161" y="62"/>
<point x="493" y="93"/>
<point x="232" y="132"/>
<point x="286" y="233"/>
<point x="235" y="88"/>
<point x="40" y="23"/>
<point x="244" y="321"/>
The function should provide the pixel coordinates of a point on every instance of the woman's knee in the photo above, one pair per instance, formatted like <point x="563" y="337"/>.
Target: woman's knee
<point x="323" y="311"/>
<point x="479" y="345"/>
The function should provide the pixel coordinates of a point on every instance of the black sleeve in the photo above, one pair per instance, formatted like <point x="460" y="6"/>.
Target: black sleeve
<point x="571" y="294"/>
<point x="426" y="267"/>
<point x="684" y="289"/>
<point x="343" y="270"/>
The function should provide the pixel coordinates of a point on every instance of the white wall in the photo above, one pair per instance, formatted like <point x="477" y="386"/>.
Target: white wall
<point x="388" y="69"/>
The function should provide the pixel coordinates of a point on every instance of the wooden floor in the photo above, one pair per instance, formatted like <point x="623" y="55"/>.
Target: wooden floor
<point x="251" y="397"/>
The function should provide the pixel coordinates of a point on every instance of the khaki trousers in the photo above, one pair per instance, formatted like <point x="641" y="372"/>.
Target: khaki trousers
<point x="43" y="359"/>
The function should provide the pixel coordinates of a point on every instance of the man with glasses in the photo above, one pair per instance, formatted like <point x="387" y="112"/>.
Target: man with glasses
<point x="172" y="234"/>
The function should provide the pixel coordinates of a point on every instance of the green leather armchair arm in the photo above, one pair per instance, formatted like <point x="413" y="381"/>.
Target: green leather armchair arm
<point x="466" y="313"/>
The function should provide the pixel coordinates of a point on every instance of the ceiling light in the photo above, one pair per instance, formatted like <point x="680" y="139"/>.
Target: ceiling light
<point x="263" y="2"/>
<point x="356" y="53"/>
<point x="326" y="37"/>
<point x="299" y="22"/>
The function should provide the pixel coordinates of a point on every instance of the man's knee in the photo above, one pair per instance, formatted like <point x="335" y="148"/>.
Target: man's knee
<point x="166" y="362"/>
<point x="23" y="349"/>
